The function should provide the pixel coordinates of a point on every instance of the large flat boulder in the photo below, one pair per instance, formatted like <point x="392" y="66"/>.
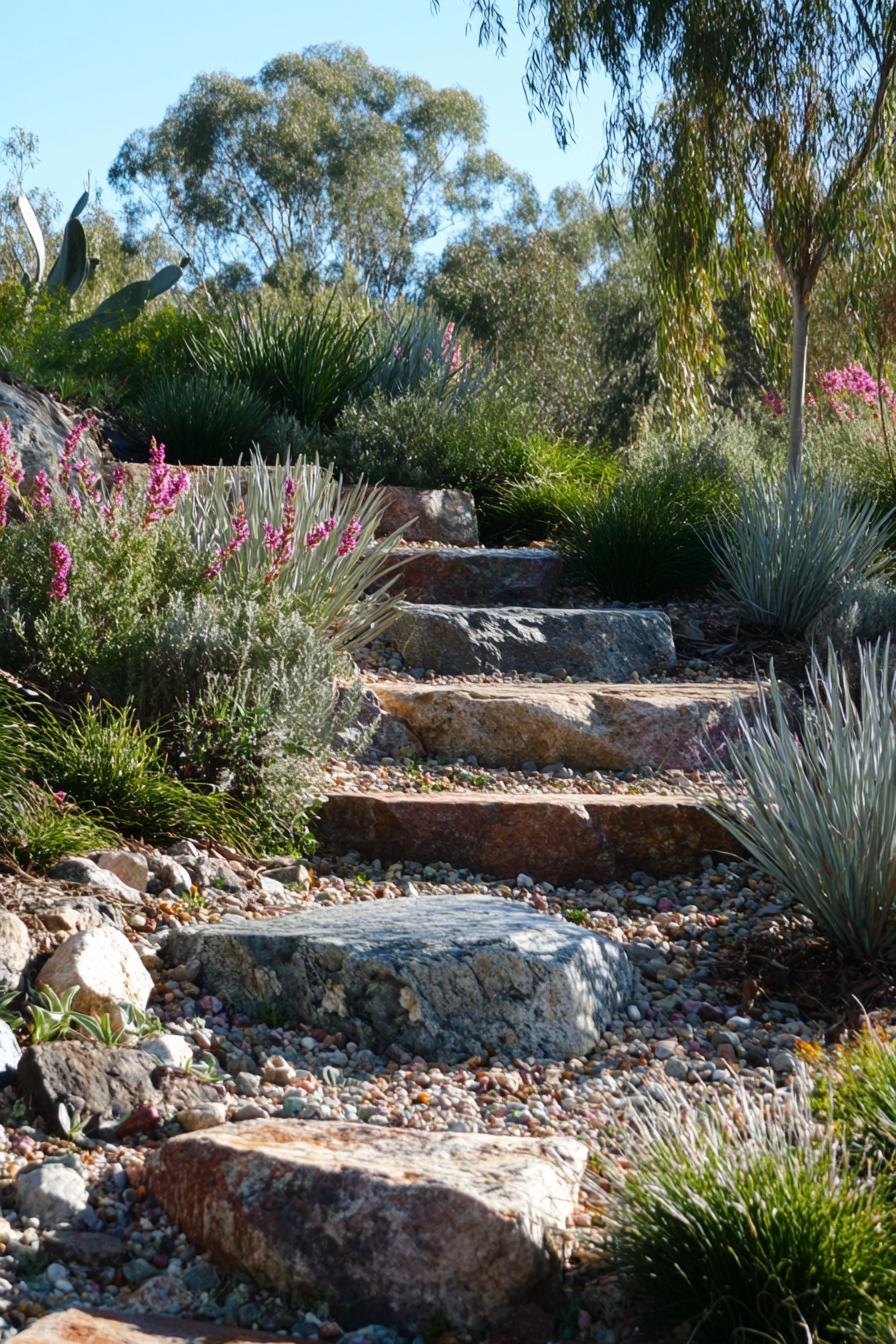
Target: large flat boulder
<point x="590" y="727"/>
<point x="401" y="1225"/>
<point x="435" y="976"/>
<point x="553" y="837"/>
<point x="76" y="1326"/>
<point x="588" y="644"/>
<point x="526" y="577"/>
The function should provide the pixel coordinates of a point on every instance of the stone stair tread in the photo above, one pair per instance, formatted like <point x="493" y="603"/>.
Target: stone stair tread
<point x="586" y="725"/>
<point x="487" y="576"/>
<point x="558" y="838"/>
<point x="586" y="643"/>
<point x="76" y="1325"/>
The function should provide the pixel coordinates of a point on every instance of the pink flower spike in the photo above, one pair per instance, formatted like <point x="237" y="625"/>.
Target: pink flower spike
<point x="61" y="560"/>
<point x="42" y="498"/>
<point x="349" y="539"/>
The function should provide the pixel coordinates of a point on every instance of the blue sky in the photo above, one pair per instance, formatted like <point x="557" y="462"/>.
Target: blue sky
<point x="83" y="77"/>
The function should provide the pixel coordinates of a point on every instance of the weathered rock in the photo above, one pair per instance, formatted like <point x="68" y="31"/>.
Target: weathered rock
<point x="15" y="951"/>
<point x="591" y="644"/>
<point x="207" y="1116"/>
<point x="552" y="837"/>
<point x="105" y="967"/>
<point x="75" y="1326"/>
<point x="175" y="1052"/>
<point x="169" y="873"/>
<point x="104" y="1086"/>
<point x="590" y="727"/>
<point x="127" y="865"/>
<point x="370" y="725"/>
<point x="446" y="516"/>
<point x="431" y="975"/>
<point x="86" y="873"/>
<point x="97" y="1250"/>
<point x="479" y="577"/>
<point x="10" y="1054"/>
<point x="40" y="427"/>
<point x="73" y="914"/>
<point x="403" y="1225"/>
<point x="54" y="1193"/>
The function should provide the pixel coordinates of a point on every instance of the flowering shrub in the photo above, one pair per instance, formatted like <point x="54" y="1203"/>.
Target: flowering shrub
<point x="95" y="580"/>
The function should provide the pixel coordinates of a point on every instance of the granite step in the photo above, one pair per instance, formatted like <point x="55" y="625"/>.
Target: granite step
<point x="480" y="577"/>
<point x="585" y="643"/>
<point x="589" y="726"/>
<point x="557" y="838"/>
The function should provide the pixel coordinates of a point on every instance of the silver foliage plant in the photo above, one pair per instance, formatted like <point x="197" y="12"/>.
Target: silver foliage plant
<point x="813" y="802"/>
<point x="346" y="596"/>
<point x="790" y="546"/>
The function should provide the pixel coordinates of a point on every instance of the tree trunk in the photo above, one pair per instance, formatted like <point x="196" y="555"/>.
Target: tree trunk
<point x="799" y="350"/>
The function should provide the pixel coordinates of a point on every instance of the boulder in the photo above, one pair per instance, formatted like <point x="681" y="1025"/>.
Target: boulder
<point x="76" y="1326"/>
<point x="480" y="578"/>
<point x="104" y="1086"/>
<point x="40" y="427"/>
<point x="589" y="727"/>
<point x="105" y="967"/>
<point x="15" y="951"/>
<point x="86" y="873"/>
<point x="53" y="1193"/>
<point x="403" y="1225"/>
<point x="434" y="976"/>
<point x="445" y="516"/>
<point x="557" y="837"/>
<point x="588" y="644"/>
<point x="129" y="866"/>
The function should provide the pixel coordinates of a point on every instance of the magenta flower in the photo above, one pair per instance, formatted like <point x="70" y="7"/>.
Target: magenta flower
<point x="66" y="462"/>
<point x="61" y="560"/>
<point x="240" y="524"/>
<point x="165" y="487"/>
<point x="41" y="497"/>
<point x="349" y="539"/>
<point x="320" y="532"/>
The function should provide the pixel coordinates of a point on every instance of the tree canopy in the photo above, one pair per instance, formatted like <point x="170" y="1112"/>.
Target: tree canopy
<point x="750" y="132"/>
<point x="322" y="166"/>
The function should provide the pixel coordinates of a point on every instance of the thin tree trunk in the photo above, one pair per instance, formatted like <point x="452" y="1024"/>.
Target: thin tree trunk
<point x="799" y="351"/>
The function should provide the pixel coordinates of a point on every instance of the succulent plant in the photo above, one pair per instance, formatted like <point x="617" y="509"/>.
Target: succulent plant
<point x="73" y="266"/>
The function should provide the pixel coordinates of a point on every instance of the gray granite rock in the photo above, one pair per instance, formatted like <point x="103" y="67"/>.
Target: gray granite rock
<point x="15" y="951"/>
<point x="10" y="1054"/>
<point x="436" y="976"/>
<point x="39" y="429"/>
<point x="599" y="644"/>
<point x="53" y="1193"/>
<point x="86" y="873"/>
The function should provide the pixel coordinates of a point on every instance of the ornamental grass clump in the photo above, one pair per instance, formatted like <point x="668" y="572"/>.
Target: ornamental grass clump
<point x="812" y="797"/>
<point x="790" y="546"/>
<point x="645" y="539"/>
<point x="747" y="1220"/>
<point x="862" y="1094"/>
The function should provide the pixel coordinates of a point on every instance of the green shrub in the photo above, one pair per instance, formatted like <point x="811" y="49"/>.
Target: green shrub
<point x="424" y="441"/>
<point x="645" y="539"/>
<point x="201" y="419"/>
<point x="748" y="1223"/>
<point x="814" y="805"/>
<point x="309" y="365"/>
<point x="103" y="759"/>
<point x="790" y="547"/>
<point x="561" y="479"/>
<point x="864" y="611"/>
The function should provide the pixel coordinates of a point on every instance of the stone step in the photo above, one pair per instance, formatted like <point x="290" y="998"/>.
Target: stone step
<point x="556" y="838"/>
<point x="76" y="1326"/>
<point x="401" y="1227"/>
<point x="585" y="643"/>
<point x="589" y="726"/>
<point x="436" y="977"/>
<point x="480" y="577"/>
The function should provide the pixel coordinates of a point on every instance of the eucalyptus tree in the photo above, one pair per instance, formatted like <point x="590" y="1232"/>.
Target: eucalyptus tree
<point x="750" y="130"/>
<point x="321" y="168"/>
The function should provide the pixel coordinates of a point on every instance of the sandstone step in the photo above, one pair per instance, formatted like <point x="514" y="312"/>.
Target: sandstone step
<point x="480" y="577"/>
<point x="588" y="644"/>
<point x="553" y="837"/>
<point x="590" y="726"/>
<point x="435" y="977"/>
<point x="402" y="1226"/>
<point x="76" y="1326"/>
